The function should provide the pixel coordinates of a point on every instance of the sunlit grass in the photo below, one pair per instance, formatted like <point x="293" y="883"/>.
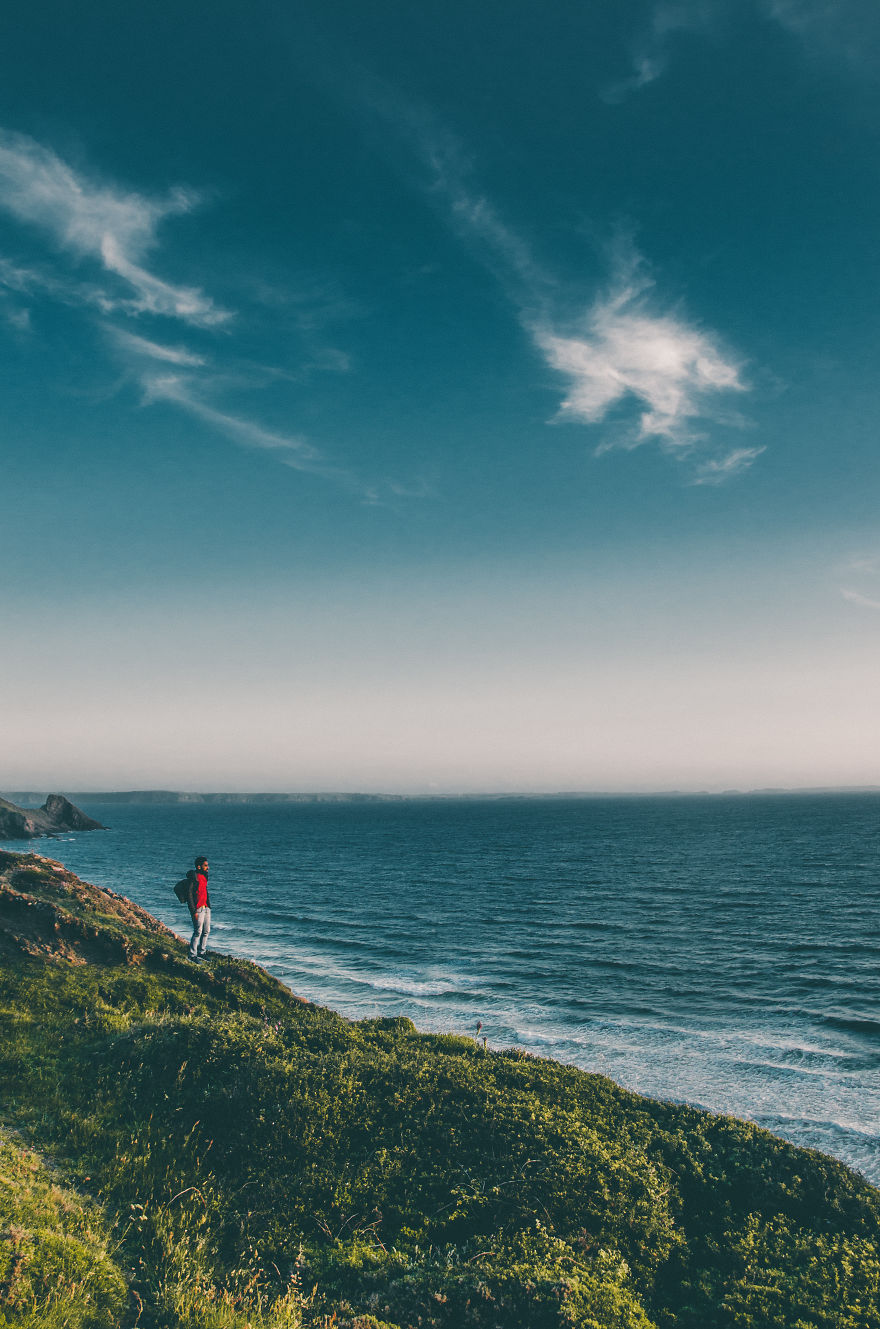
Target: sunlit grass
<point x="259" y="1162"/>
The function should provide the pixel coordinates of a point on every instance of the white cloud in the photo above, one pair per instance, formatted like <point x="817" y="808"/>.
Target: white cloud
<point x="672" y="372"/>
<point x="101" y="222"/>
<point x="154" y="296"/>
<point x="623" y="350"/>
<point x="856" y="598"/>
<point x="176" y="388"/>
<point x="141" y="346"/>
<point x="715" y="470"/>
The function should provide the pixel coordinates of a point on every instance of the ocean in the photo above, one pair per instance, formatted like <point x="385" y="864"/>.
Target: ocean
<point x="721" y="951"/>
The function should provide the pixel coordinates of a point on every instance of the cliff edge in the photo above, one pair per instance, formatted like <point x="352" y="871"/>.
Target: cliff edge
<point x="212" y="1153"/>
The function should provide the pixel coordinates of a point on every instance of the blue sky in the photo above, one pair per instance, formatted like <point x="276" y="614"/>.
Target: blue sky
<point x="440" y="398"/>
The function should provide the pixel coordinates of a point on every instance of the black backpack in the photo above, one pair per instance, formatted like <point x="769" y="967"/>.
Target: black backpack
<point x="181" y="890"/>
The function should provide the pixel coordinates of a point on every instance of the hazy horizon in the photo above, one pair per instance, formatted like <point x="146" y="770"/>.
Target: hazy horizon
<point x="218" y="795"/>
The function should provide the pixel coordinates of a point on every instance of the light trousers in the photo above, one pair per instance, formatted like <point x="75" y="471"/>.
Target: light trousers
<point x="201" y="932"/>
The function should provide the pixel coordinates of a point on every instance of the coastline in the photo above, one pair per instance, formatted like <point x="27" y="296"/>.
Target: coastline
<point x="402" y="1164"/>
<point x="135" y="797"/>
<point x="689" y="951"/>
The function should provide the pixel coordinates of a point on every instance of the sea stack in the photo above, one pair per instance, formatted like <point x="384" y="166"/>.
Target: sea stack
<point x="56" y="815"/>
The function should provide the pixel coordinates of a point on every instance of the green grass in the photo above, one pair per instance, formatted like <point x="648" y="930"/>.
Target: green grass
<point x="57" y="1265"/>
<point x="263" y="1162"/>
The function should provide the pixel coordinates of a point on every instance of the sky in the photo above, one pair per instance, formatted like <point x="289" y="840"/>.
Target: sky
<point x="439" y="398"/>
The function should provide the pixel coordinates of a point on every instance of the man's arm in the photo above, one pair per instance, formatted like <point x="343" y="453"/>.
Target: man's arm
<point x="193" y="887"/>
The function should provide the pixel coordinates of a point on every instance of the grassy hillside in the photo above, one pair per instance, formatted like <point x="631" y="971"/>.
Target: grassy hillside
<point x="235" y="1157"/>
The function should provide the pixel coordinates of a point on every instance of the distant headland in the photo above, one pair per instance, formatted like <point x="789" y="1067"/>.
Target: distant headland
<point x="56" y="815"/>
<point x="30" y="799"/>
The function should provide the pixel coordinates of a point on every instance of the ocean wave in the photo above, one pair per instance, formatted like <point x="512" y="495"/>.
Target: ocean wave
<point x="852" y="1144"/>
<point x="782" y="1070"/>
<point x="619" y="935"/>
<point x="321" y="968"/>
<point x="853" y="1024"/>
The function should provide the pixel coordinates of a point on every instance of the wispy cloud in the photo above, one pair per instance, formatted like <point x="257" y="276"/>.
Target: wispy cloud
<point x="16" y="278"/>
<point x="841" y="30"/>
<point x="447" y="179"/>
<point x="477" y="218"/>
<point x="18" y="318"/>
<point x="192" y="393"/>
<point x="191" y="385"/>
<point x="33" y="282"/>
<point x="142" y="346"/>
<point x="716" y="470"/>
<point x="669" y="19"/>
<point x="847" y="30"/>
<point x="624" y="354"/>
<point x="869" y="564"/>
<point x="179" y="390"/>
<point x="291" y="449"/>
<point x="865" y="567"/>
<point x="97" y="221"/>
<point x="116" y="230"/>
<point x="856" y="598"/>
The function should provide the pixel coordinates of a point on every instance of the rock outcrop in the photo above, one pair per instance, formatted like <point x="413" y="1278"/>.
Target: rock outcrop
<point x="46" y="911"/>
<point x="49" y="914"/>
<point x="56" y="815"/>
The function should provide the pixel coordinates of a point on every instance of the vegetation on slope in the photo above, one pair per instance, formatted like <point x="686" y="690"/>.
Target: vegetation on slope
<point x="262" y="1162"/>
<point x="56" y="1266"/>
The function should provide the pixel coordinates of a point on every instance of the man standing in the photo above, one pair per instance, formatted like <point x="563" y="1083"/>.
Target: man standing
<point x="200" y="908"/>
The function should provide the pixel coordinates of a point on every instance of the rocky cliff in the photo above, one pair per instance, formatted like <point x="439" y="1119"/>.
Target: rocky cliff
<point x="56" y="815"/>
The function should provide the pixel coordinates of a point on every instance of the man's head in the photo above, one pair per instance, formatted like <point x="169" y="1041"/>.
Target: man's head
<point x="201" y="865"/>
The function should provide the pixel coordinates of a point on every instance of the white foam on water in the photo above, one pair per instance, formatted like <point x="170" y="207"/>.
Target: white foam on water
<point x="738" y="981"/>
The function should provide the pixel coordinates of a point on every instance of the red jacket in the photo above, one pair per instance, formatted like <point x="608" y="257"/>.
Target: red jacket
<point x="198" y="890"/>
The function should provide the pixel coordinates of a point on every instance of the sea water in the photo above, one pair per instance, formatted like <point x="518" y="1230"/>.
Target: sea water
<point x="721" y="951"/>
